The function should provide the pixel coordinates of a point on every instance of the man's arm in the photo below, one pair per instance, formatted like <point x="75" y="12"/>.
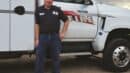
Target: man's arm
<point x="36" y="35"/>
<point x="65" y="19"/>
<point x="36" y="28"/>
<point x="64" y="29"/>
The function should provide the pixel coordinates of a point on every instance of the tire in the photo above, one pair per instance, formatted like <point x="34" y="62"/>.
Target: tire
<point x="116" y="56"/>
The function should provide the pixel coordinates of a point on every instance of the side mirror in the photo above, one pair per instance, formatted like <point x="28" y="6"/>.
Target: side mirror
<point x="88" y="2"/>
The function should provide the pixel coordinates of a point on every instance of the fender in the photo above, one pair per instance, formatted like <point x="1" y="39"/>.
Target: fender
<point x="108" y="25"/>
<point x="100" y="41"/>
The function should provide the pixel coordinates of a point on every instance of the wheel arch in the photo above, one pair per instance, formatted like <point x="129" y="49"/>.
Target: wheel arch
<point x="117" y="33"/>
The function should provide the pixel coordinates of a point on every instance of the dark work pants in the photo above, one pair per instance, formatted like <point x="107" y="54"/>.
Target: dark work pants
<point x="51" y="41"/>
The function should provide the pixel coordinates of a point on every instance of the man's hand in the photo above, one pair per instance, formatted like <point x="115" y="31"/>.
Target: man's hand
<point x="36" y="42"/>
<point x="62" y="35"/>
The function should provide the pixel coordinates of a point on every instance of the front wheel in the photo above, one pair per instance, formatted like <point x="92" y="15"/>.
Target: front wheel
<point x="116" y="55"/>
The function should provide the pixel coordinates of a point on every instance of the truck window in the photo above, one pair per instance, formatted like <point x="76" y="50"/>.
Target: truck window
<point x="75" y="1"/>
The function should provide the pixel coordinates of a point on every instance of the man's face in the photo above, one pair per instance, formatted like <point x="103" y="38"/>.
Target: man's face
<point x="48" y="3"/>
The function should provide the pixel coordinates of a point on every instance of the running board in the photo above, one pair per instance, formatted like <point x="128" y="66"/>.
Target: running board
<point x="75" y="54"/>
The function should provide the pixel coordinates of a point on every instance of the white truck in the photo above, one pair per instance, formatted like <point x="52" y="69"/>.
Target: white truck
<point x="94" y="28"/>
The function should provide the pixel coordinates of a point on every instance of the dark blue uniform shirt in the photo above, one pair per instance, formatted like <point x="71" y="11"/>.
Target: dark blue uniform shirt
<point x="49" y="19"/>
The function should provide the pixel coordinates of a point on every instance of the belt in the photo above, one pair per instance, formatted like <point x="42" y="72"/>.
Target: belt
<point x="48" y="33"/>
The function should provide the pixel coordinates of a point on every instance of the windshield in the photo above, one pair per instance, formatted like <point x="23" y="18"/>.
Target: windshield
<point x="119" y="3"/>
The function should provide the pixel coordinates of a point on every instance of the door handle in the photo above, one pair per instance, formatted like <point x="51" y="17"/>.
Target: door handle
<point x="20" y="10"/>
<point x="82" y="11"/>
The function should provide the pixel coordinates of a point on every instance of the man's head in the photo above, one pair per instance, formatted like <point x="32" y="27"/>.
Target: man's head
<point x="48" y="3"/>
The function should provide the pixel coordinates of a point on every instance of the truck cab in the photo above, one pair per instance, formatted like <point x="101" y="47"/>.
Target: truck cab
<point x="94" y="28"/>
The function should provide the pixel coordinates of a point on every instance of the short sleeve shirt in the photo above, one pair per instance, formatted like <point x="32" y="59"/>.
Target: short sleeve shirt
<point x="49" y="19"/>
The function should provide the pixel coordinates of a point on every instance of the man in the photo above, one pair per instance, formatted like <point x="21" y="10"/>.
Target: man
<point x="48" y="35"/>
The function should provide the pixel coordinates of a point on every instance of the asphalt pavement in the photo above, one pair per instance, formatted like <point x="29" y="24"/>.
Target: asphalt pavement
<point x="69" y="64"/>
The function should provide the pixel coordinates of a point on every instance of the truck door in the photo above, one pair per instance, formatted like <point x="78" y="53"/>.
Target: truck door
<point x="4" y="25"/>
<point x="22" y="25"/>
<point x="83" y="19"/>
